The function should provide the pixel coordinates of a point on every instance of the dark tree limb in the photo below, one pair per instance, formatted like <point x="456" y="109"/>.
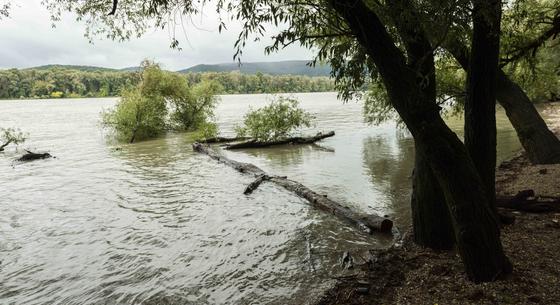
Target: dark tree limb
<point x="223" y="139"/>
<point x="5" y="144"/>
<point x="255" y="184"/>
<point x="526" y="201"/>
<point x="114" y="9"/>
<point x="30" y="156"/>
<point x="366" y="222"/>
<point x="295" y="140"/>
<point x="540" y="143"/>
<point x="532" y="47"/>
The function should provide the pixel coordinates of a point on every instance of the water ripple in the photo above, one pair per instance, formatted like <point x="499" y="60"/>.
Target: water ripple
<point x="155" y="223"/>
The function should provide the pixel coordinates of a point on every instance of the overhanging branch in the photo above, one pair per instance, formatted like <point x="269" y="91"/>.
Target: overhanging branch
<point x="533" y="46"/>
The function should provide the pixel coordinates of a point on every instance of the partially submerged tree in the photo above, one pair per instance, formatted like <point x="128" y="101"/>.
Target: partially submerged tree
<point x="195" y="109"/>
<point x="11" y="136"/>
<point x="162" y="101"/>
<point x="273" y="122"/>
<point x="136" y="117"/>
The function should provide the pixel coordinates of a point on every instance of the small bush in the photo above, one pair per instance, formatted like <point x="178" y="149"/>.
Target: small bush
<point x="275" y="121"/>
<point x="11" y="136"/>
<point x="206" y="130"/>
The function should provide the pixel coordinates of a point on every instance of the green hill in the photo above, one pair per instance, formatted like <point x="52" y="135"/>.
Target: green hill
<point x="72" y="67"/>
<point x="289" y="67"/>
<point x="293" y="67"/>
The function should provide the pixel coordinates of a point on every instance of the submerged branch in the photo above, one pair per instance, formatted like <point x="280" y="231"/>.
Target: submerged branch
<point x="5" y="144"/>
<point x="30" y="156"/>
<point x="365" y="222"/>
<point x="295" y="140"/>
<point x="223" y="139"/>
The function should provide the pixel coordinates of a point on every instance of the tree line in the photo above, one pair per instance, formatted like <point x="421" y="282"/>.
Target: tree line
<point x="58" y="82"/>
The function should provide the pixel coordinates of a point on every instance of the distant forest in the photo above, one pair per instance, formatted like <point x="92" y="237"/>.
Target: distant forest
<point x="56" y="82"/>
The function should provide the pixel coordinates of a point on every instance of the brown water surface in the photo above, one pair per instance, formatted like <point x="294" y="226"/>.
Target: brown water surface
<point x="155" y="223"/>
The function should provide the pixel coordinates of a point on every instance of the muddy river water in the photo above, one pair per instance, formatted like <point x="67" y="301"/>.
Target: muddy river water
<point x="156" y="223"/>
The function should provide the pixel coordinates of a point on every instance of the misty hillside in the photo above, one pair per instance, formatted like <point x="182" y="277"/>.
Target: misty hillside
<point x="291" y="67"/>
<point x="294" y="67"/>
<point x="72" y="67"/>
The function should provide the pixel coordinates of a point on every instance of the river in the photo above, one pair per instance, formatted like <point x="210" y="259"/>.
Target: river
<point x="156" y="223"/>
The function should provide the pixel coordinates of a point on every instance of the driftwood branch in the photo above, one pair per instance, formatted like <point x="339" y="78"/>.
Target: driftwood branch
<point x="255" y="184"/>
<point x="366" y="222"/>
<point x="527" y="201"/>
<point x="5" y="144"/>
<point x="223" y="139"/>
<point x="295" y="140"/>
<point x="30" y="156"/>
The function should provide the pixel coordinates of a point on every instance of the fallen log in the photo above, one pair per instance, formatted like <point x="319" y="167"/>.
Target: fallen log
<point x="366" y="222"/>
<point x="526" y="201"/>
<point x="294" y="140"/>
<point x="30" y="156"/>
<point x="223" y="139"/>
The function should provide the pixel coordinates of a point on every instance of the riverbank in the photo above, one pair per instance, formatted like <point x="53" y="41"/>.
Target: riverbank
<point x="412" y="275"/>
<point x="408" y="274"/>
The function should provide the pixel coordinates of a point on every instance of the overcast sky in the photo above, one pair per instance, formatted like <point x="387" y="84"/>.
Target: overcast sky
<point x="27" y="39"/>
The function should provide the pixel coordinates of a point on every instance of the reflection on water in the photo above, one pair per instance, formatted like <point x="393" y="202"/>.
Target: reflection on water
<point x="155" y="223"/>
<point x="389" y="162"/>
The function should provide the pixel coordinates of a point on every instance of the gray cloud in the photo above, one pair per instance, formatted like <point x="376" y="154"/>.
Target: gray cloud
<point x="28" y="39"/>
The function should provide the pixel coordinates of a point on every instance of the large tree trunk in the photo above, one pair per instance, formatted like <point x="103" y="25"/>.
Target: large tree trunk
<point x="475" y="226"/>
<point x="480" y="104"/>
<point x="540" y="144"/>
<point x="430" y="217"/>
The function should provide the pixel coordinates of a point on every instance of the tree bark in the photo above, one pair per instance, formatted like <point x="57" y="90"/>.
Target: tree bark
<point x="368" y="223"/>
<point x="295" y="140"/>
<point x="538" y="141"/>
<point x="430" y="216"/>
<point x="475" y="226"/>
<point x="480" y="104"/>
<point x="431" y="221"/>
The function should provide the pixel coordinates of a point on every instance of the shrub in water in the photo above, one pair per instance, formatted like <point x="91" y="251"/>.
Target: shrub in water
<point x="275" y="121"/>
